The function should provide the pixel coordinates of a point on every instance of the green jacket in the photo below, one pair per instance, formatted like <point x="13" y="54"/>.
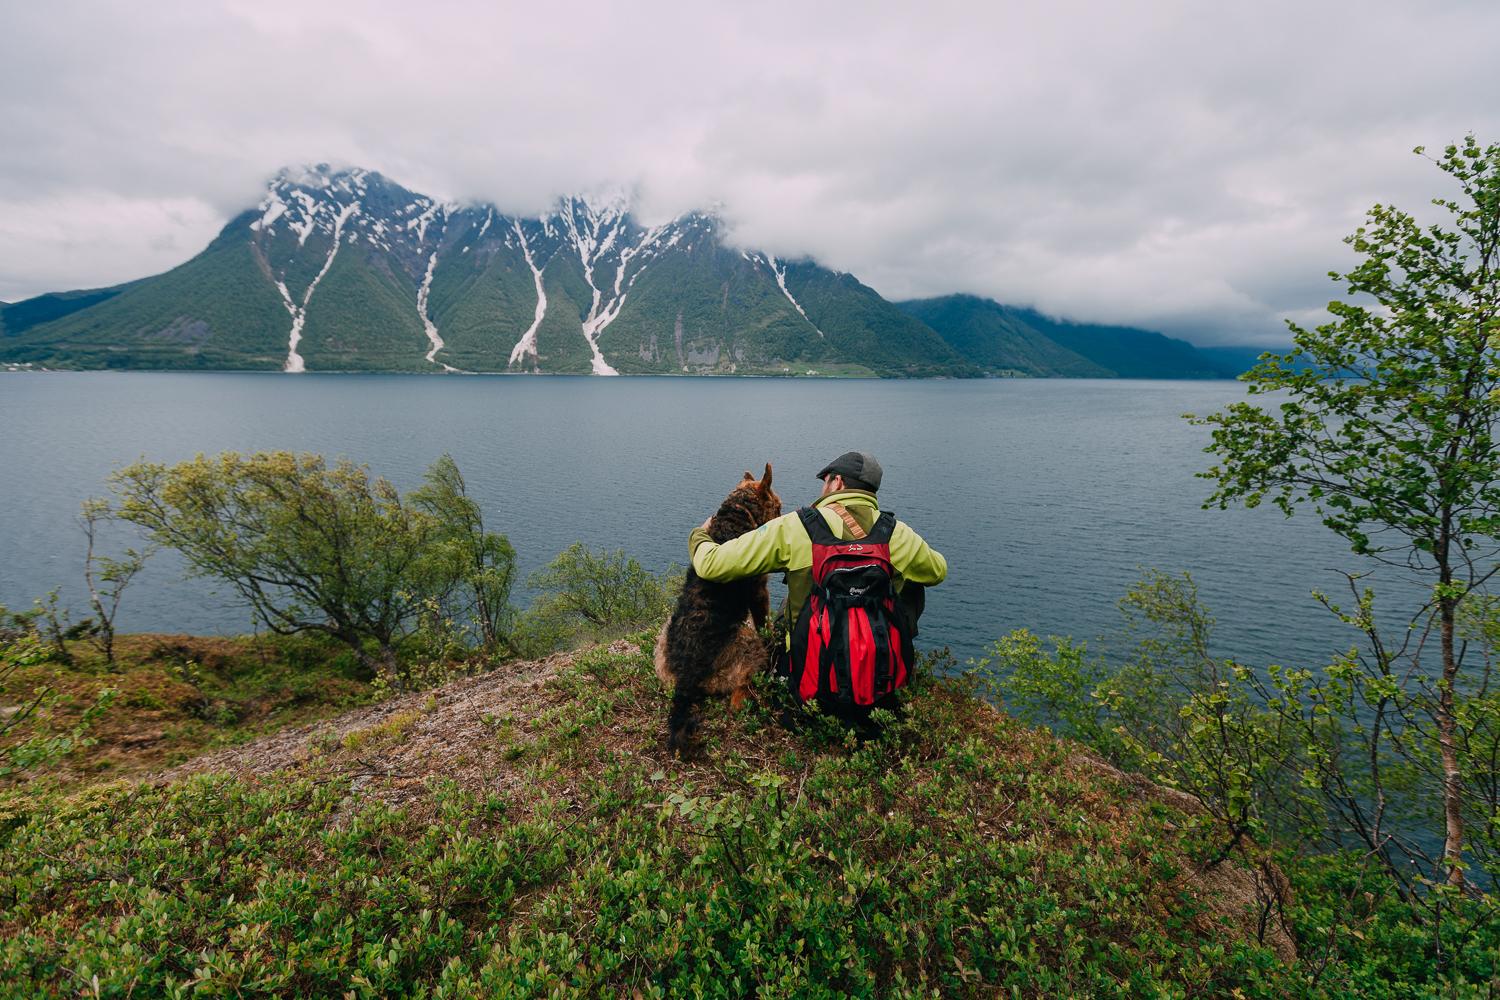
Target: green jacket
<point x="782" y="545"/>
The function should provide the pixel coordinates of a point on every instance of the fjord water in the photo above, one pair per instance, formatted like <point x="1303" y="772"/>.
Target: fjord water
<point x="1048" y="497"/>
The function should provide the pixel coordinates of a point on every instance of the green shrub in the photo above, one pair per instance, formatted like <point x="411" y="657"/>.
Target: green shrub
<point x="590" y="595"/>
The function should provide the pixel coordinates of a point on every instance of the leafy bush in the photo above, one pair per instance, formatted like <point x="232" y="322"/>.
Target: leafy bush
<point x="1311" y="760"/>
<point x="29" y="738"/>
<point x="317" y="549"/>
<point x="588" y="595"/>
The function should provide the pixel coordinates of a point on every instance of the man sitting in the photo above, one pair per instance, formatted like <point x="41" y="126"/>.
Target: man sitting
<point x="849" y="511"/>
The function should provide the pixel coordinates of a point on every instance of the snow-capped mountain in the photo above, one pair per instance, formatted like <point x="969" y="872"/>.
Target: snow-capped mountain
<point x="347" y="270"/>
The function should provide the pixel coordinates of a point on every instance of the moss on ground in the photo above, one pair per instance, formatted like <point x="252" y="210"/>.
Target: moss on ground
<point x="178" y="696"/>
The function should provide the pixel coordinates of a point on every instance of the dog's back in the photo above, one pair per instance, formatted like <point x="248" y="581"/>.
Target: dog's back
<point x="711" y="618"/>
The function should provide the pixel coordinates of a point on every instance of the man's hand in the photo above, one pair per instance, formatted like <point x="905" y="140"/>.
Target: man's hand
<point x="706" y="521"/>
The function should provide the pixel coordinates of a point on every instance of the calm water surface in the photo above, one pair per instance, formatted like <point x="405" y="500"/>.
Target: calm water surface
<point x="1047" y="497"/>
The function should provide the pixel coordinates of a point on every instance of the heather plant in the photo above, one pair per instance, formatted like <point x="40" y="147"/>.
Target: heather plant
<point x="958" y="855"/>
<point x="29" y="737"/>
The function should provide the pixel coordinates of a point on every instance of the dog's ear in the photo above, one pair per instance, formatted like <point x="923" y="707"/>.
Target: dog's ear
<point x="749" y="475"/>
<point x="765" y="481"/>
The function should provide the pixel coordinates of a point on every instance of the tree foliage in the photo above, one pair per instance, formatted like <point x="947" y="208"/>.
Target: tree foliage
<point x="473" y="568"/>
<point x="29" y="736"/>
<point x="309" y="547"/>
<point x="107" y="576"/>
<point x="1383" y="421"/>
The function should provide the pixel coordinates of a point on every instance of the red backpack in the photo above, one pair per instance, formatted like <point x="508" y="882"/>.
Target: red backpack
<point x="847" y="644"/>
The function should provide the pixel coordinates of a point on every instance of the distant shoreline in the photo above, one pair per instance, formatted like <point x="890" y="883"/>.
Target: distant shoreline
<point x="638" y="375"/>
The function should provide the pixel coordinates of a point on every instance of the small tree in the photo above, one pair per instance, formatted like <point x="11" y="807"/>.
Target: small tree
<point x="1384" y="422"/>
<point x="308" y="547"/>
<point x="106" y="576"/>
<point x="478" y="564"/>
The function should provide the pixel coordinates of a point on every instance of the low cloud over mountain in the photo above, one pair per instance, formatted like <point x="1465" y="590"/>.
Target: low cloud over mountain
<point x="1177" y="166"/>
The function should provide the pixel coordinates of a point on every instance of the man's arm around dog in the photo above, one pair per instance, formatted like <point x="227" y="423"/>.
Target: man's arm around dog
<point x="783" y="545"/>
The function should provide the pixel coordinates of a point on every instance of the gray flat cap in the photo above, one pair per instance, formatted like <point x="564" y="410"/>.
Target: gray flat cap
<point x="859" y="469"/>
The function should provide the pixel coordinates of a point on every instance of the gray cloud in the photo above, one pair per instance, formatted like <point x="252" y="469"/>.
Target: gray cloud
<point x="1184" y="166"/>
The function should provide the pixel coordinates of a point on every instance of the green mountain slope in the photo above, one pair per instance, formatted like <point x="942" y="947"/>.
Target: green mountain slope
<point x="362" y="316"/>
<point x="1126" y="351"/>
<point x="217" y="311"/>
<point x="989" y="335"/>
<point x="1001" y="338"/>
<point x="708" y="309"/>
<point x="1236" y="359"/>
<point x="481" y="301"/>
<point x="18" y="317"/>
<point x="857" y="323"/>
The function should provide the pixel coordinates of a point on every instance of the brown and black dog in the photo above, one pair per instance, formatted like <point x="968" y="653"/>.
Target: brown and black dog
<point x="711" y="645"/>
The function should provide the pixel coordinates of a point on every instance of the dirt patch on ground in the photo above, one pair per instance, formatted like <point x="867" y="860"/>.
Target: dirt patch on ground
<point x="393" y="750"/>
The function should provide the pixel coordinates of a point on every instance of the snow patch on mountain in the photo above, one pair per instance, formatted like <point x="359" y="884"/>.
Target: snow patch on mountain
<point x="427" y="324"/>
<point x="526" y="346"/>
<point x="592" y="238"/>
<point x="294" y="361"/>
<point x="780" y="274"/>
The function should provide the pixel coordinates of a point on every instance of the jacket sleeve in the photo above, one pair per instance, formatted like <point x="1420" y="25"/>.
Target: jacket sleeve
<point x="764" y="550"/>
<point x="914" y="559"/>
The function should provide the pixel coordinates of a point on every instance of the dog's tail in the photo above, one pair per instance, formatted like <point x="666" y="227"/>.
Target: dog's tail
<point x="690" y="654"/>
<point x="682" y="723"/>
<point x="687" y="696"/>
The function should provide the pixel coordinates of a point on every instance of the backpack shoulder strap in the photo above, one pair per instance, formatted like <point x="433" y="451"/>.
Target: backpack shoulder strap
<point x="855" y="531"/>
<point x="817" y="528"/>
<point x="883" y="528"/>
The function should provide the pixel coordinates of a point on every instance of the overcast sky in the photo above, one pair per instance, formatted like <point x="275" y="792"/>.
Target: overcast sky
<point x="1190" y="167"/>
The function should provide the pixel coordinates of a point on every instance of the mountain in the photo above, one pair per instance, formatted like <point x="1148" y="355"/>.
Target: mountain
<point x="1001" y="338"/>
<point x="345" y="270"/>
<point x="991" y="336"/>
<point x="1239" y="358"/>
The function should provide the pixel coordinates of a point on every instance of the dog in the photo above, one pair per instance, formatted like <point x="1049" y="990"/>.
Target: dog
<point x="711" y="644"/>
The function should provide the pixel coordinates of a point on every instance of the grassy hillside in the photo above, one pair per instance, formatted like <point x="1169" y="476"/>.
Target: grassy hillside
<point x="859" y="325"/>
<point x="522" y="833"/>
<point x="215" y="311"/>
<point x="990" y="335"/>
<point x="180" y="695"/>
